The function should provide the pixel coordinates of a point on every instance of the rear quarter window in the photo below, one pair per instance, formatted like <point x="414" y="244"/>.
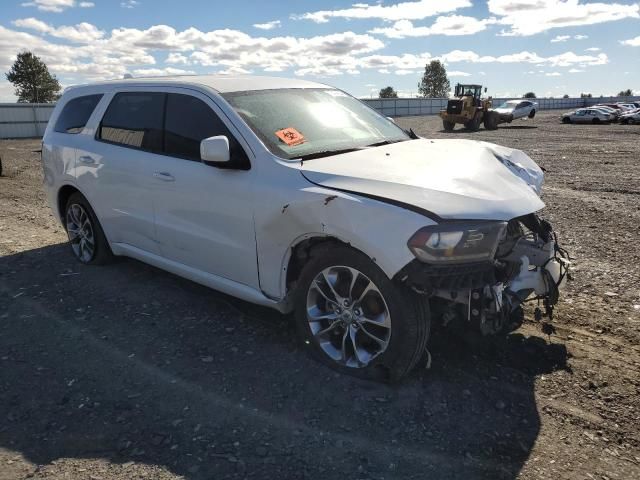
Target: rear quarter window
<point x="134" y="119"/>
<point x="75" y="114"/>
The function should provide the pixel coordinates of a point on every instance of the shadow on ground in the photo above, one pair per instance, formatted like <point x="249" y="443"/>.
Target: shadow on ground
<point x="129" y="363"/>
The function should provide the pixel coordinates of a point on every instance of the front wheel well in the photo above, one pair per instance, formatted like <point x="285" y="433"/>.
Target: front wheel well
<point x="302" y="251"/>
<point x="63" y="197"/>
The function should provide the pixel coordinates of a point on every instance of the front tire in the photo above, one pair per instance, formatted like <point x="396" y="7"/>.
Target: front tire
<point x="595" y="121"/>
<point x="566" y="120"/>
<point x="353" y="318"/>
<point x="86" y="237"/>
<point x="448" y="126"/>
<point x="532" y="114"/>
<point x="474" y="124"/>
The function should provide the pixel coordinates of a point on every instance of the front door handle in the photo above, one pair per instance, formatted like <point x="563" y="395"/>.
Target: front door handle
<point x="86" y="159"/>
<point x="164" y="176"/>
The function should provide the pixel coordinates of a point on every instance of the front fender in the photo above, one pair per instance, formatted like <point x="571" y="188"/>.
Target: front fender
<point x="379" y="230"/>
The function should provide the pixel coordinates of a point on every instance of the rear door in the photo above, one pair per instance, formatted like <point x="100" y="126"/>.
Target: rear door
<point x="204" y="214"/>
<point x="115" y="165"/>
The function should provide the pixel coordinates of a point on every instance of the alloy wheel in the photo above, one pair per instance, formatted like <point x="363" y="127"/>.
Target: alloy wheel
<point x="348" y="316"/>
<point x="80" y="232"/>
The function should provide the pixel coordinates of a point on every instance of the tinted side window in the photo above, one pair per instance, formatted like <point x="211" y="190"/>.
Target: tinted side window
<point x="134" y="119"/>
<point x="189" y="121"/>
<point x="75" y="114"/>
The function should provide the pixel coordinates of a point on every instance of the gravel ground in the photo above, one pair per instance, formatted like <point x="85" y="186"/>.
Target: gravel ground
<point x="127" y="372"/>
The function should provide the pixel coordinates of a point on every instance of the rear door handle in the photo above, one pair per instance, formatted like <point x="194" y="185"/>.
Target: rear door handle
<point x="164" y="176"/>
<point x="87" y="159"/>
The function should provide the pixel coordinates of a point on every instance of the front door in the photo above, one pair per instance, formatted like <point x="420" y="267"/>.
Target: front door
<point x="204" y="214"/>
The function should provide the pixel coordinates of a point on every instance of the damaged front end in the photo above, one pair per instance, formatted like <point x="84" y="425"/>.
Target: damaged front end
<point x="480" y="273"/>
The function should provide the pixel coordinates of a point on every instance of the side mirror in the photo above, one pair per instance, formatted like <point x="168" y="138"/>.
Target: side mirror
<point x="215" y="150"/>
<point x="485" y="89"/>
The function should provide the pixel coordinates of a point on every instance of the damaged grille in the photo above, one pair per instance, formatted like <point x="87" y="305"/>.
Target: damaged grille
<point x="427" y="278"/>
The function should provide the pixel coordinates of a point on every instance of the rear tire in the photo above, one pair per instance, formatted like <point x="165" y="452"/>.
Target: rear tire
<point x="378" y="335"/>
<point x="448" y="126"/>
<point x="491" y="120"/>
<point x="474" y="124"/>
<point x="532" y="114"/>
<point x="566" y="120"/>
<point x="595" y="121"/>
<point x="86" y="237"/>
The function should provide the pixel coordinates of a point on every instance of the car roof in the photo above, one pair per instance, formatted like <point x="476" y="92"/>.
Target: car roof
<point x="220" y="83"/>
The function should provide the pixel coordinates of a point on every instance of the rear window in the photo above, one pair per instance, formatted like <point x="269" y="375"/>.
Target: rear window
<point x="134" y="119"/>
<point x="75" y="114"/>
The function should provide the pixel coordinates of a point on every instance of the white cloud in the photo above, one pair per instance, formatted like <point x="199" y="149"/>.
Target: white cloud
<point x="129" y="4"/>
<point x="416" y="10"/>
<point x="177" y="59"/>
<point x="450" y="25"/>
<point x="56" y="6"/>
<point x="632" y="42"/>
<point x="576" y="70"/>
<point x="268" y="25"/>
<point x="456" y="73"/>
<point x="404" y="72"/>
<point x="592" y="49"/>
<point x="553" y="74"/>
<point x="80" y="33"/>
<point x="528" y="17"/>
<point x="560" y="38"/>
<point x="580" y="37"/>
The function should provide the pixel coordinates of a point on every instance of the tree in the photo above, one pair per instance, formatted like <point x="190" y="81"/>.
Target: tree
<point x="434" y="83"/>
<point x="625" y="93"/>
<point x="529" y="95"/>
<point x="565" y="96"/>
<point x="32" y="80"/>
<point x="388" y="92"/>
<point x="586" y="95"/>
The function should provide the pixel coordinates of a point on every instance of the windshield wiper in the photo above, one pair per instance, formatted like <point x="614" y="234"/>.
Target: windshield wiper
<point x="327" y="153"/>
<point x="385" y="142"/>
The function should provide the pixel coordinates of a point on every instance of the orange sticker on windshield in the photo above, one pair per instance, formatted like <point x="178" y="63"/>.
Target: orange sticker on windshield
<point x="290" y="136"/>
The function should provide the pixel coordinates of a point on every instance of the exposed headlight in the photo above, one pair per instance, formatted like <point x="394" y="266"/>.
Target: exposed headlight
<point x="457" y="242"/>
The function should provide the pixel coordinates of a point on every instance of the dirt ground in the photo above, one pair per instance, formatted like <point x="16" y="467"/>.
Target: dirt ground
<point x="127" y="372"/>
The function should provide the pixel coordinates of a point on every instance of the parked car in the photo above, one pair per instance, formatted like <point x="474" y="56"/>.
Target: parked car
<point x="586" y="115"/>
<point x="630" y="118"/>
<point x="615" y="114"/>
<point x="518" y="109"/>
<point x="297" y="196"/>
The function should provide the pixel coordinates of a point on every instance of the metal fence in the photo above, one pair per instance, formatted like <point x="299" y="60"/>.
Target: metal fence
<point x="400" y="107"/>
<point x="24" y="120"/>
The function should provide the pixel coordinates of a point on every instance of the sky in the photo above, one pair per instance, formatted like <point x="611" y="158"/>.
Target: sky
<point x="550" y="47"/>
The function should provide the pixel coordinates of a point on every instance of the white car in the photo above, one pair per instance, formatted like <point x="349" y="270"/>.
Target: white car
<point x="297" y="196"/>
<point x="587" y="115"/>
<point x="630" y="118"/>
<point x="515" y="109"/>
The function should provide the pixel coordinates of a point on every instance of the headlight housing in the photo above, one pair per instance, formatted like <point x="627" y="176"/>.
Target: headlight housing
<point x="457" y="242"/>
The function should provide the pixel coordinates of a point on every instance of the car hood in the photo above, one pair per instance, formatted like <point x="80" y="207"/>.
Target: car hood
<point x="453" y="179"/>
<point x="504" y="110"/>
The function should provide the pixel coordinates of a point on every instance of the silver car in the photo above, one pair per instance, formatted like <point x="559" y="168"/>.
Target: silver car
<point x="587" y="115"/>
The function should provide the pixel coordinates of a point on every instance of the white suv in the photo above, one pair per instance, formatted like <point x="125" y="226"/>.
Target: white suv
<point x="297" y="196"/>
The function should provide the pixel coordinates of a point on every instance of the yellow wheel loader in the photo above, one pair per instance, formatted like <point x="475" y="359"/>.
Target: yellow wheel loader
<point x="469" y="109"/>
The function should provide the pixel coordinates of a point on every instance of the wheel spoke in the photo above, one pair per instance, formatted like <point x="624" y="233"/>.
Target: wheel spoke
<point x="317" y="287"/>
<point x="330" y="285"/>
<point x="382" y="320"/>
<point x="344" y="345"/>
<point x="326" y="330"/>
<point x="369" y="288"/>
<point x="352" y="334"/>
<point x="381" y="342"/>
<point x="355" y="274"/>
<point x="317" y="316"/>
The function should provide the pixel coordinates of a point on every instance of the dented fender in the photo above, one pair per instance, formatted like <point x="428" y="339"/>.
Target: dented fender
<point x="379" y="230"/>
